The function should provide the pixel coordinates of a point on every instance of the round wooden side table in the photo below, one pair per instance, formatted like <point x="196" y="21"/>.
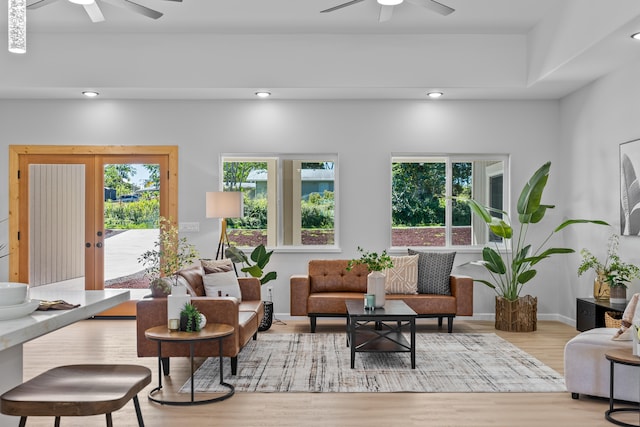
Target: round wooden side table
<point x="212" y="331"/>
<point x="622" y="357"/>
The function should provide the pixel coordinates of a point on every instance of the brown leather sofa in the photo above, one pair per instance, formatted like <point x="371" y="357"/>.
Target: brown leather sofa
<point x="323" y="291"/>
<point x="244" y="316"/>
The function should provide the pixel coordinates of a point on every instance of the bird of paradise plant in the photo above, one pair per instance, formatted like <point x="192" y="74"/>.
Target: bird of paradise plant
<point x="514" y="264"/>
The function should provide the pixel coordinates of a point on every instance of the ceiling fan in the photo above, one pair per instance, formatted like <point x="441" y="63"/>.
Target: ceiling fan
<point x="95" y="13"/>
<point x="386" y="7"/>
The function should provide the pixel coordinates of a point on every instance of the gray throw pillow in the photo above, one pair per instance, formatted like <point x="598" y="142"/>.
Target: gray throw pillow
<point x="434" y="269"/>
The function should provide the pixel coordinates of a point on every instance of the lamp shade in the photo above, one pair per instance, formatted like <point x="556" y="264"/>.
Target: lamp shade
<point x="225" y="204"/>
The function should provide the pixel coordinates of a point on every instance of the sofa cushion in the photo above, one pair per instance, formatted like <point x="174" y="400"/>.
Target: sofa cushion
<point x="222" y="284"/>
<point x="332" y="276"/>
<point x="402" y="278"/>
<point x="193" y="278"/>
<point x="434" y="269"/>
<point x="216" y="265"/>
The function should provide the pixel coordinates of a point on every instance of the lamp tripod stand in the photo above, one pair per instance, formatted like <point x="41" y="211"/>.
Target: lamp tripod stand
<point x="224" y="239"/>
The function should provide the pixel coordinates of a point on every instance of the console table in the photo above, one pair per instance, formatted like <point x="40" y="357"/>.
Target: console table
<point x="590" y="312"/>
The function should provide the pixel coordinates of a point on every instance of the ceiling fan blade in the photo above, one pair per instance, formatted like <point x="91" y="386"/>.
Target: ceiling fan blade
<point x="39" y="3"/>
<point x="138" y="8"/>
<point x="433" y="6"/>
<point x="94" y="12"/>
<point x="385" y="13"/>
<point x="340" y="6"/>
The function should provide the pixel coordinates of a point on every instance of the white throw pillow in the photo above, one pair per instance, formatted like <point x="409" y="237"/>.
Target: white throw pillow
<point x="403" y="277"/>
<point x="222" y="284"/>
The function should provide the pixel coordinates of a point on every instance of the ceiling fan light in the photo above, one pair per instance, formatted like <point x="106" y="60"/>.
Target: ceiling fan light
<point x="84" y="2"/>
<point x="90" y="93"/>
<point x="390" y="2"/>
<point x="635" y="36"/>
<point x="435" y="95"/>
<point x="17" y="26"/>
<point x="263" y="94"/>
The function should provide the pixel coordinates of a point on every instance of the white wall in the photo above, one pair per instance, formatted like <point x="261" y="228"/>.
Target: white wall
<point x="594" y="122"/>
<point x="363" y="133"/>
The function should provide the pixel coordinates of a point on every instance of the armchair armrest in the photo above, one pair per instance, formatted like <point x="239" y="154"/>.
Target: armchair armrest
<point x="462" y="290"/>
<point x="300" y="289"/>
<point x="250" y="288"/>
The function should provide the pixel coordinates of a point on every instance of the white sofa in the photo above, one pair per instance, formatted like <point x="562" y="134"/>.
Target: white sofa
<point x="586" y="370"/>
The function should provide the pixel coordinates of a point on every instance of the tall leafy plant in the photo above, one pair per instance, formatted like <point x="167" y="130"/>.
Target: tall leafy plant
<point x="513" y="264"/>
<point x="260" y="257"/>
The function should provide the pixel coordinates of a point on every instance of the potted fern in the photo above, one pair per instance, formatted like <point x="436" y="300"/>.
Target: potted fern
<point x="512" y="264"/>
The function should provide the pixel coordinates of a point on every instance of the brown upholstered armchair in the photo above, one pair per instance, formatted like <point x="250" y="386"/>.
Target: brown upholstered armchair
<point x="245" y="317"/>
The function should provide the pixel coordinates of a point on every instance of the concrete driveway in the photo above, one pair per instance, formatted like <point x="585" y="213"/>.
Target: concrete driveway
<point x="121" y="252"/>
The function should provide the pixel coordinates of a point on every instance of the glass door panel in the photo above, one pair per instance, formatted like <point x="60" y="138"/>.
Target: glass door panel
<point x="131" y="215"/>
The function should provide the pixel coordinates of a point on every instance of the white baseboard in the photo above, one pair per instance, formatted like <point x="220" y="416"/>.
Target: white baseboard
<point x="478" y="316"/>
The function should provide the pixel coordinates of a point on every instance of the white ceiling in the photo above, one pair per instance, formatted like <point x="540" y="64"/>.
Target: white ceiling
<point x="228" y="49"/>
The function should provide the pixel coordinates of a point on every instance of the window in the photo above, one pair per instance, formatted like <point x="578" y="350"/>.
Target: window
<point x="425" y="193"/>
<point x="289" y="200"/>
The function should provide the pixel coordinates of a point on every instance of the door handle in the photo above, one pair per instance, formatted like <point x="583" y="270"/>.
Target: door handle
<point x="99" y="245"/>
<point x="88" y="245"/>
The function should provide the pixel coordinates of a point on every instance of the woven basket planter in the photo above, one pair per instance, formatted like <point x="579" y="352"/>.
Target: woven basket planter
<point x="520" y="315"/>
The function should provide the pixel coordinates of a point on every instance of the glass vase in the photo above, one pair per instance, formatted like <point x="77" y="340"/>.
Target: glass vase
<point x="601" y="288"/>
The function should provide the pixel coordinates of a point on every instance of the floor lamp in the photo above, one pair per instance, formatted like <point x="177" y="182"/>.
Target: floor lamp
<point x="224" y="204"/>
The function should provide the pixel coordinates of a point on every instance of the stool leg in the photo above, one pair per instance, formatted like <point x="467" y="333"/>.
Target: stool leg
<point x="136" y="403"/>
<point x="23" y="421"/>
<point x="109" y="420"/>
<point x="56" y="423"/>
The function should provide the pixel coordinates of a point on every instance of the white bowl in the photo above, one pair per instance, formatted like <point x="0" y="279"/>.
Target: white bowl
<point x="12" y="293"/>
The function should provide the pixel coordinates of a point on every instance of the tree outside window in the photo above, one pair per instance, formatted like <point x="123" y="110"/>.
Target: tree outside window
<point x="426" y="208"/>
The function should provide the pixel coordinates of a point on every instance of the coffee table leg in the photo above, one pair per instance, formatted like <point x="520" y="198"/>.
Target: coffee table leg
<point x="413" y="343"/>
<point x="352" y="339"/>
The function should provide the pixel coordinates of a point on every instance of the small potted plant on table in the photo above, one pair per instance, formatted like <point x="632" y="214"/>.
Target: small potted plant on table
<point x="612" y="275"/>
<point x="376" y="264"/>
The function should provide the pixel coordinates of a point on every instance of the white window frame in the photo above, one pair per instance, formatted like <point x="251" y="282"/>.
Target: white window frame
<point x="276" y="197"/>
<point x="449" y="159"/>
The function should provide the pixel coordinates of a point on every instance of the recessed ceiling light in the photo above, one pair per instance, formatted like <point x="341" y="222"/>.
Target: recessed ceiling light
<point x="434" y="94"/>
<point x="263" y="94"/>
<point x="81" y="1"/>
<point x="635" y="36"/>
<point x="90" y="93"/>
<point x="389" y="2"/>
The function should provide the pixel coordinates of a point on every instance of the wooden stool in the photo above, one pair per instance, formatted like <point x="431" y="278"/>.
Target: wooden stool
<point x="77" y="390"/>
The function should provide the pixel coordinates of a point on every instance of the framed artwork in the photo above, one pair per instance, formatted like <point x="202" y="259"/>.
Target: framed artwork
<point x="629" y="188"/>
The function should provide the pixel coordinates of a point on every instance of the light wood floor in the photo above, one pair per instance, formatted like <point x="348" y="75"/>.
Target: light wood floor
<point x="113" y="341"/>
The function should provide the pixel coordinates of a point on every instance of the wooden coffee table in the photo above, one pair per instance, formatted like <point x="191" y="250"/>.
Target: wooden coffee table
<point x="212" y="331"/>
<point x="623" y="357"/>
<point x="380" y="329"/>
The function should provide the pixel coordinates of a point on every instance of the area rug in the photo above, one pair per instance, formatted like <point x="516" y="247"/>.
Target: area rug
<point x="321" y="363"/>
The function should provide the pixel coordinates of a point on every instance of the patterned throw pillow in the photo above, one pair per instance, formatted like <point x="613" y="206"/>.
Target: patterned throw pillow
<point x="403" y="277"/>
<point x="216" y="265"/>
<point x="434" y="269"/>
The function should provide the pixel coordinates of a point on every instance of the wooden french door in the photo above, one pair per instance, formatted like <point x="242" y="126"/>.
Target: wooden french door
<point x="79" y="206"/>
